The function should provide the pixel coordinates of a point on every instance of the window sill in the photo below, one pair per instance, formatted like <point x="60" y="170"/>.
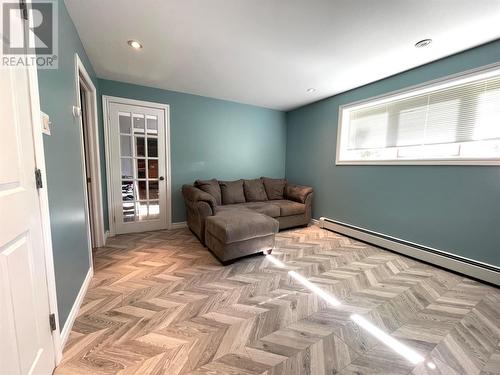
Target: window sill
<point x="479" y="162"/>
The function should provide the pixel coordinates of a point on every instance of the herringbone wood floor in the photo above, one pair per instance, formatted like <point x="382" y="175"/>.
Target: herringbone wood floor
<point x="160" y="303"/>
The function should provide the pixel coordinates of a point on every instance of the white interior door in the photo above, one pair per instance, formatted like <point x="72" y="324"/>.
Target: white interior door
<point x="26" y="345"/>
<point x="139" y="168"/>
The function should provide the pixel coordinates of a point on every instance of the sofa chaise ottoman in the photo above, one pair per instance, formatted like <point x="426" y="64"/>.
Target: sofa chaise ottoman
<point x="231" y="235"/>
<point x="223" y="214"/>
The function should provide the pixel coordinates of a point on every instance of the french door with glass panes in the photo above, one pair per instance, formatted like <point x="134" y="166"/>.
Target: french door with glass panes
<point x="138" y="158"/>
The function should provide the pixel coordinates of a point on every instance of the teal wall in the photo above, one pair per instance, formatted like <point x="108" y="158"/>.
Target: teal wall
<point x="213" y="138"/>
<point x="63" y="163"/>
<point x="452" y="208"/>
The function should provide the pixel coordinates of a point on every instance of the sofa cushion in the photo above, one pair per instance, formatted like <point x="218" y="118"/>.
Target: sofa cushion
<point x="234" y="225"/>
<point x="232" y="192"/>
<point x="254" y="190"/>
<point x="275" y="187"/>
<point x="265" y="208"/>
<point x="211" y="187"/>
<point x="288" y="208"/>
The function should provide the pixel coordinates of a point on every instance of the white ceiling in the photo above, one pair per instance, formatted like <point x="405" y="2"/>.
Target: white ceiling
<point x="269" y="52"/>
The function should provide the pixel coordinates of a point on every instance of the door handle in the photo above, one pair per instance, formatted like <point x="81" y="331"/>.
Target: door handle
<point x="162" y="178"/>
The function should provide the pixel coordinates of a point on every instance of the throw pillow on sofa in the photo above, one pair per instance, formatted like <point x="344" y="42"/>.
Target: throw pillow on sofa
<point x="211" y="187"/>
<point x="254" y="190"/>
<point x="275" y="187"/>
<point x="232" y="192"/>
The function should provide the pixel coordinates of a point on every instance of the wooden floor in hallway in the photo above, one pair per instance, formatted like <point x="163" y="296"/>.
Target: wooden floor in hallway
<point x="160" y="303"/>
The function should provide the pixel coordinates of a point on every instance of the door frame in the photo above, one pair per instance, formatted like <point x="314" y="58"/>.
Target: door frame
<point x="92" y="128"/>
<point x="106" y="101"/>
<point x="44" y="209"/>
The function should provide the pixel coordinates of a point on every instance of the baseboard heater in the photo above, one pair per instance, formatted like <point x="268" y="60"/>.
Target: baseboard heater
<point x="469" y="267"/>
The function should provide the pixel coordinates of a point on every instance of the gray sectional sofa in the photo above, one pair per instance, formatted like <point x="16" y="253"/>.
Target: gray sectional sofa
<point x="239" y="218"/>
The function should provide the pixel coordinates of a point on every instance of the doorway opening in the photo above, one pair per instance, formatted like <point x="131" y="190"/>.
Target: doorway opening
<point x="86" y="110"/>
<point x="84" y="91"/>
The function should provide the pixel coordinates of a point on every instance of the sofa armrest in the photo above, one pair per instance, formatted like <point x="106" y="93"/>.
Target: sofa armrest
<point x="297" y="193"/>
<point x="193" y="195"/>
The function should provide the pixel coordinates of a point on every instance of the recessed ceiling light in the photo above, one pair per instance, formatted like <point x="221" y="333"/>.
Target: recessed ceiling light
<point x="423" y="43"/>
<point x="134" y="44"/>
<point x="311" y="89"/>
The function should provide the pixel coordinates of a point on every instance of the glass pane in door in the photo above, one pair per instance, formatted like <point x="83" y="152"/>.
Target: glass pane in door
<point x="140" y="150"/>
<point x="127" y="168"/>
<point x="153" y="190"/>
<point x="152" y="147"/>
<point x="141" y="168"/>
<point x="142" y="210"/>
<point x="125" y="148"/>
<point x="140" y="174"/>
<point x="128" y="212"/>
<point x="154" y="210"/>
<point x="142" y="190"/>
<point x="152" y="125"/>
<point x="138" y="124"/>
<point x="128" y="191"/>
<point x="125" y="123"/>
<point x="153" y="168"/>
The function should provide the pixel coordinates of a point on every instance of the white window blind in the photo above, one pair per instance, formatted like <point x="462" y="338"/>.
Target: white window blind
<point x="454" y="120"/>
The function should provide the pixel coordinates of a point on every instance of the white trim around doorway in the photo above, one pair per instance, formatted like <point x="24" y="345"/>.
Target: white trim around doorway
<point x="106" y="100"/>
<point x="94" y="153"/>
<point x="44" y="210"/>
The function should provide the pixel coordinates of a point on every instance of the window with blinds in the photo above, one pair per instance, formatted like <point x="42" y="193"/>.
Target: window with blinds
<point x="456" y="121"/>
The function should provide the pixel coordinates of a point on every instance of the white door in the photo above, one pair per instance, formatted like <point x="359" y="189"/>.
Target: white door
<point x="139" y="169"/>
<point x="26" y="345"/>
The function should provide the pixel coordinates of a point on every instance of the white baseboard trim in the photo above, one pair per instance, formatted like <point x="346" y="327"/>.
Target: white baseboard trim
<point x="314" y="222"/>
<point x="74" y="310"/>
<point x="470" y="267"/>
<point x="179" y="225"/>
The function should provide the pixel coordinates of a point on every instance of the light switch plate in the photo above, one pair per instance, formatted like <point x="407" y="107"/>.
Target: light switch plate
<point x="45" y="123"/>
<point x="77" y="111"/>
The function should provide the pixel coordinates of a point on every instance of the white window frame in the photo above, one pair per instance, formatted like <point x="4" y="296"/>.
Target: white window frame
<point x="429" y="86"/>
